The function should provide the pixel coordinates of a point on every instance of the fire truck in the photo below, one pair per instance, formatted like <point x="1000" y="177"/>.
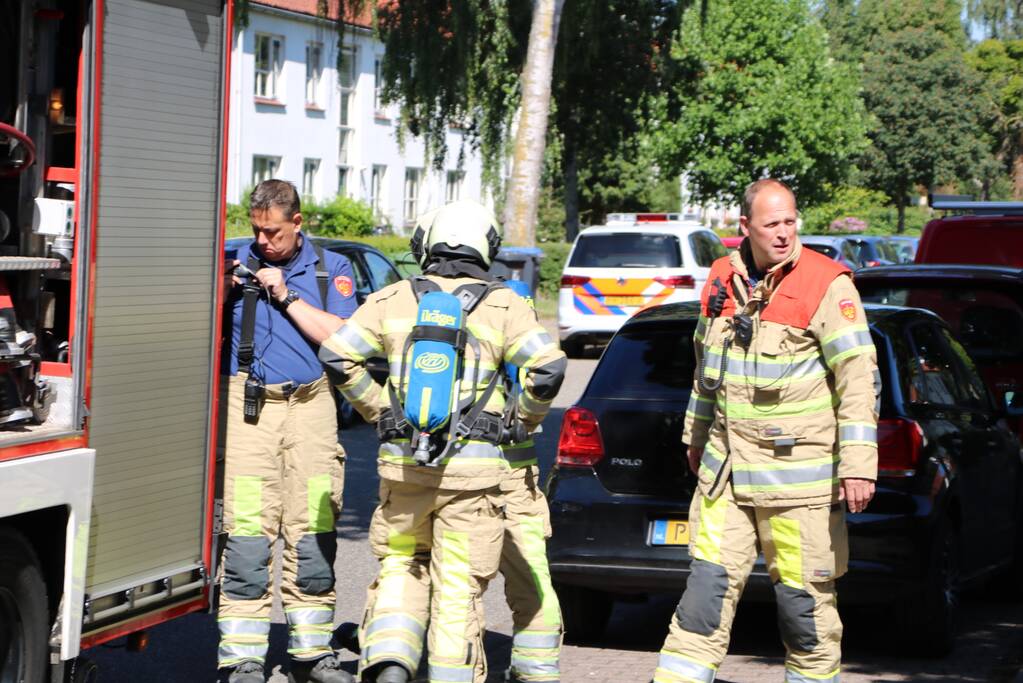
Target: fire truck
<point x="112" y="176"/>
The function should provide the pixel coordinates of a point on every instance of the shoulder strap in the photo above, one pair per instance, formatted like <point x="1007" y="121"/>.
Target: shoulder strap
<point x="421" y="285"/>
<point x="250" y="294"/>
<point x="322" y="274"/>
<point x="472" y="294"/>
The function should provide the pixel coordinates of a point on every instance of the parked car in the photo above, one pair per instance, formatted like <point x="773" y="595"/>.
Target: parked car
<point x="835" y="247"/>
<point x="905" y="247"/>
<point x="372" y="270"/>
<point x="982" y="304"/>
<point x="977" y="232"/>
<point x="948" y="497"/>
<point x="874" y="250"/>
<point x="634" y="262"/>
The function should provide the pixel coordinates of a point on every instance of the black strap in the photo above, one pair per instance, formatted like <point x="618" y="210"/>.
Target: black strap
<point x="322" y="276"/>
<point x="250" y="295"/>
<point x="448" y="335"/>
<point x="472" y="294"/>
<point x="422" y="285"/>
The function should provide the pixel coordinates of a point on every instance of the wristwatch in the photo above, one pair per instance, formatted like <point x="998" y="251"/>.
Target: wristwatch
<point x="291" y="298"/>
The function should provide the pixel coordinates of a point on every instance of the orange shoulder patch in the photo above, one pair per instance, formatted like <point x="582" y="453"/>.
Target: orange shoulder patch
<point x="343" y="284"/>
<point x="848" y="309"/>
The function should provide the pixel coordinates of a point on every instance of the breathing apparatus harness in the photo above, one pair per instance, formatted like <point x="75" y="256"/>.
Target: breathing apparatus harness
<point x="422" y="417"/>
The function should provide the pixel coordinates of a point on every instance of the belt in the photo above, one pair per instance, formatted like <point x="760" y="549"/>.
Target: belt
<point x="286" y="390"/>
<point x="487" y="427"/>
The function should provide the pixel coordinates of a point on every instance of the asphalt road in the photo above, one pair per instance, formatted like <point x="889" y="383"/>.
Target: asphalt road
<point x="184" y="650"/>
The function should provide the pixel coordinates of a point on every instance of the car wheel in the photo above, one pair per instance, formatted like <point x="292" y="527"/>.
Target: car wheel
<point x="573" y="348"/>
<point x="928" y="620"/>
<point x="24" y="621"/>
<point x="585" y="612"/>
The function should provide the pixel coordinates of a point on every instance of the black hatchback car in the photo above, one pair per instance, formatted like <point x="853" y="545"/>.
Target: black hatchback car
<point x="948" y="500"/>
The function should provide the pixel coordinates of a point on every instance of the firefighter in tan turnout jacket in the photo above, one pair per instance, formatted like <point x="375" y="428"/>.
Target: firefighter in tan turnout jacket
<point x="438" y="529"/>
<point x="781" y="427"/>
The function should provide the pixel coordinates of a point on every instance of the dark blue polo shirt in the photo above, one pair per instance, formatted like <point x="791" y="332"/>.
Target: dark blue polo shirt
<point x="282" y="353"/>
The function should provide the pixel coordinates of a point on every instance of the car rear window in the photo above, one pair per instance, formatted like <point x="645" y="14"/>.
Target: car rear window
<point x="988" y="322"/>
<point x="825" y="249"/>
<point x="626" y="250"/>
<point x="646" y="363"/>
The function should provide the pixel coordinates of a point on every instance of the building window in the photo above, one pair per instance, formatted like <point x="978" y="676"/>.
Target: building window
<point x="313" y="71"/>
<point x="264" y="168"/>
<point x="413" y="182"/>
<point x="453" y="189"/>
<point x="269" y="57"/>
<point x="376" y="187"/>
<point x="342" y="181"/>
<point x="346" y="81"/>
<point x="378" y="89"/>
<point x="310" y="173"/>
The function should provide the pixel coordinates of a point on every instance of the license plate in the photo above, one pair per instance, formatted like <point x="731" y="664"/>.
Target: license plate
<point x="669" y="532"/>
<point x="623" y="300"/>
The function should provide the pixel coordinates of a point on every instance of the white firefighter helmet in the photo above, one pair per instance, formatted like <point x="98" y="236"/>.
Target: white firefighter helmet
<point x="459" y="229"/>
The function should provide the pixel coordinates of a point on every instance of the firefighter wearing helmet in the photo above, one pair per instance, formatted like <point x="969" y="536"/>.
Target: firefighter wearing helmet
<point x="439" y="526"/>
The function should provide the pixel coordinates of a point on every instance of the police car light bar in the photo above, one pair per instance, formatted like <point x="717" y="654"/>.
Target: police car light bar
<point x="643" y="217"/>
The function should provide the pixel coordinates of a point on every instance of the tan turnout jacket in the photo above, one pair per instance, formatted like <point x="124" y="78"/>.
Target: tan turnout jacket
<point x="508" y="332"/>
<point x="796" y="411"/>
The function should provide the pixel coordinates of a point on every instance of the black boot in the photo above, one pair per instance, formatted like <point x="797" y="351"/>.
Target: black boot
<point x="387" y="673"/>
<point x="346" y="637"/>
<point x="247" y="672"/>
<point x="323" y="670"/>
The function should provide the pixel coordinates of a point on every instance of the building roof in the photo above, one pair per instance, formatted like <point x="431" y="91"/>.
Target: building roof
<point x="312" y="7"/>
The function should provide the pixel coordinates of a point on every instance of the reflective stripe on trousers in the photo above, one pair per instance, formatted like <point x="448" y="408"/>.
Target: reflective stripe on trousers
<point x="795" y="676"/>
<point x="535" y="656"/>
<point x="446" y="673"/>
<point x="393" y="638"/>
<point x="310" y="629"/>
<point x="674" y="668"/>
<point x="242" y="640"/>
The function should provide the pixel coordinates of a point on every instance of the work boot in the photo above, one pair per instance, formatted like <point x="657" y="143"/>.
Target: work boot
<point x="323" y="670"/>
<point x="386" y="673"/>
<point x="247" y="672"/>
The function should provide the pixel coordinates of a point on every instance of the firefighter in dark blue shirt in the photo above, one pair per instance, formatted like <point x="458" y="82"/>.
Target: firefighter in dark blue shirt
<point x="283" y="465"/>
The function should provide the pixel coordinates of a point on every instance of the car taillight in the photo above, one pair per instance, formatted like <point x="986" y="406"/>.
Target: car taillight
<point x="899" y="445"/>
<point x="677" y="281"/>
<point x="871" y="264"/>
<point x="574" y="280"/>
<point x="580" y="444"/>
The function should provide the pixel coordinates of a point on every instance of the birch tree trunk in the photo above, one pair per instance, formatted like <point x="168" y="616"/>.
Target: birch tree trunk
<point x="531" y="136"/>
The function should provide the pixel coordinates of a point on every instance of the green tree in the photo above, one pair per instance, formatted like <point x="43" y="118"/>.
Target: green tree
<point x="613" y="56"/>
<point x="999" y="18"/>
<point x="853" y="24"/>
<point x="760" y="96"/>
<point x="1001" y="64"/>
<point x="927" y="105"/>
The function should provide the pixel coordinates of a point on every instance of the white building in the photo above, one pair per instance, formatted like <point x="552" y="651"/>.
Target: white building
<point x="291" y="117"/>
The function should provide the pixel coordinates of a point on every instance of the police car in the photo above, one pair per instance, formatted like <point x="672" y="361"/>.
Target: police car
<point x="634" y="262"/>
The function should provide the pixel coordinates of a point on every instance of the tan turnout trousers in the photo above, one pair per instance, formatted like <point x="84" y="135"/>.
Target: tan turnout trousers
<point x="536" y="613"/>
<point x="805" y="548"/>
<point x="447" y="539"/>
<point x="283" y="477"/>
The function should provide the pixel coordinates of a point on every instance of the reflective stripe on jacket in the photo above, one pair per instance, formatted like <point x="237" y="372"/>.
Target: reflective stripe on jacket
<point x="797" y="409"/>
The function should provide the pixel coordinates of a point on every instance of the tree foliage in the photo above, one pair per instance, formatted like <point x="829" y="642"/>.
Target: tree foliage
<point x="759" y="96"/>
<point x="926" y="103"/>
<point x="1001" y="65"/>
<point x="999" y="18"/>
